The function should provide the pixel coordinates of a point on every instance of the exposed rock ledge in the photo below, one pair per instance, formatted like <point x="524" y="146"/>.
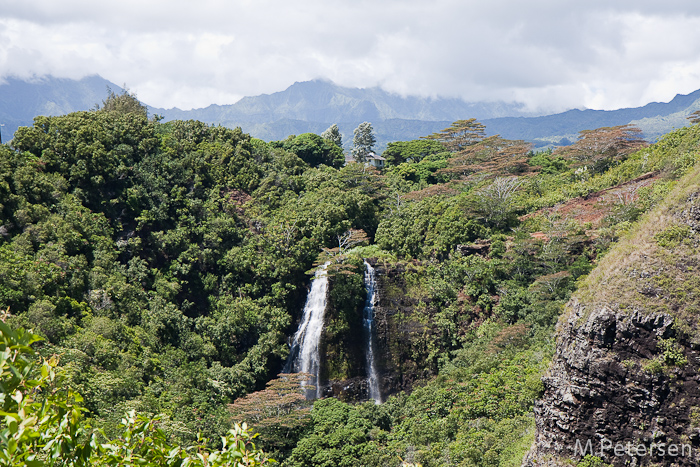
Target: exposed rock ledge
<point x="613" y="382"/>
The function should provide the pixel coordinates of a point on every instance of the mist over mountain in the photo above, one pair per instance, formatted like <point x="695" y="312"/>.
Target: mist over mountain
<point x="312" y="106"/>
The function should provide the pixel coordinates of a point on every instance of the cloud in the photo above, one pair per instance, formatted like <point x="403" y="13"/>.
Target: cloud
<point x="550" y="54"/>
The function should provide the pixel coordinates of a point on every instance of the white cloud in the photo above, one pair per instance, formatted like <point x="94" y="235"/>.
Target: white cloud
<point x="551" y="54"/>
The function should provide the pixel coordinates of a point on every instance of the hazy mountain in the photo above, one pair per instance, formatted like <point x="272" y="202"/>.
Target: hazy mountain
<point x="323" y="101"/>
<point x="312" y="106"/>
<point x="655" y="119"/>
<point x="21" y="100"/>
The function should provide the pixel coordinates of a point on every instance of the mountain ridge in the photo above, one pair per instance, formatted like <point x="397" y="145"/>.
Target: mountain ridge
<point x="312" y="106"/>
<point x="323" y="101"/>
<point x="396" y="118"/>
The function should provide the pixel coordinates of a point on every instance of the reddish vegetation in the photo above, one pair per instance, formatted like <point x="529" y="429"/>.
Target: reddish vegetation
<point x="602" y="143"/>
<point x="431" y="190"/>
<point x="491" y="156"/>
<point x="237" y="198"/>
<point x="596" y="206"/>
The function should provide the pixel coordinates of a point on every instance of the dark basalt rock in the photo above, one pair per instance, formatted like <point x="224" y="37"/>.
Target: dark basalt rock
<point x="400" y="358"/>
<point x="480" y="247"/>
<point x="348" y="390"/>
<point x="601" y="386"/>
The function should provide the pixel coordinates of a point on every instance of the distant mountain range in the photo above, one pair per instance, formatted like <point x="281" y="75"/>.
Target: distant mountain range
<point x="323" y="101"/>
<point x="312" y="106"/>
<point x="655" y="119"/>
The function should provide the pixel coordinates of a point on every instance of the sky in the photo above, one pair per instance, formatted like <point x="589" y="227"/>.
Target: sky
<point x="551" y="55"/>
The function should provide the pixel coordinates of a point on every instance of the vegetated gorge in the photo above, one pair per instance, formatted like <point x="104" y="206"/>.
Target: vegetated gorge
<point x="163" y="283"/>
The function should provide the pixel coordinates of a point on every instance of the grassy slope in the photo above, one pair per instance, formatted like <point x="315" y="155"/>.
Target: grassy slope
<point x="654" y="267"/>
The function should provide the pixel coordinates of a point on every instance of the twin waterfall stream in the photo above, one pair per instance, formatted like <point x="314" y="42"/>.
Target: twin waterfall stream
<point x="368" y="323"/>
<point x="304" y="355"/>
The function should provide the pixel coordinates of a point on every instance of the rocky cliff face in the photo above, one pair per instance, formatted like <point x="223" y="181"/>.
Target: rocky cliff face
<point x="620" y="379"/>
<point x="398" y="333"/>
<point x="624" y="385"/>
<point x="402" y="334"/>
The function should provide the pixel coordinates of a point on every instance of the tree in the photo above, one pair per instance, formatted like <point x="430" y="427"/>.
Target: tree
<point x="43" y="422"/>
<point x="496" y="202"/>
<point x="694" y="117"/>
<point x="280" y="412"/>
<point x="460" y="134"/>
<point x="315" y="150"/>
<point x="600" y="147"/>
<point x="340" y="437"/>
<point x="412" y="151"/>
<point x="363" y="141"/>
<point x="337" y="256"/>
<point x="491" y="156"/>
<point x="281" y="404"/>
<point x="124" y="103"/>
<point x="333" y="135"/>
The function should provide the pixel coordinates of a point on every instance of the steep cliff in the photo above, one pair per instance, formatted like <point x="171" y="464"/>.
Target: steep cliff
<point x="406" y="342"/>
<point x="624" y="385"/>
<point x="401" y="335"/>
<point x="342" y="344"/>
<point x="401" y="332"/>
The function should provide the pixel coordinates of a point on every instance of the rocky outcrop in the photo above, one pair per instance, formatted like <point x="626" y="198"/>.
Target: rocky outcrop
<point x="399" y="336"/>
<point x="347" y="390"/>
<point x="405" y="334"/>
<point x="480" y="247"/>
<point x="614" y="383"/>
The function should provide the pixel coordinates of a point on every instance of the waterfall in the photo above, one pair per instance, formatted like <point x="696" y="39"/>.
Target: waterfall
<point x="368" y="322"/>
<point x="304" y="355"/>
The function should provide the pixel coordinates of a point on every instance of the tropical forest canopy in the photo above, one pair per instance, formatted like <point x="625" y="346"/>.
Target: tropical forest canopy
<point x="164" y="266"/>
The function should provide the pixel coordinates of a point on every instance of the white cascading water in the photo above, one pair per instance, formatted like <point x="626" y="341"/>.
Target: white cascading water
<point x="304" y="355"/>
<point x="368" y="322"/>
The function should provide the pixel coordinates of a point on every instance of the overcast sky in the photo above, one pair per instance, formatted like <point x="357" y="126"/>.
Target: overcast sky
<point x="549" y="54"/>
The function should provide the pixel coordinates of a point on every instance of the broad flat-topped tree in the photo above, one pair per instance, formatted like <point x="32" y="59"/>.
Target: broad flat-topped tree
<point x="694" y="117"/>
<point x="491" y="156"/>
<point x="604" y="143"/>
<point x="460" y="134"/>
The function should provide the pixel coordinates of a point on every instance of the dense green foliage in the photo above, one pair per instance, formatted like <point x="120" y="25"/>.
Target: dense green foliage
<point x="315" y="150"/>
<point x="167" y="265"/>
<point x="165" y="261"/>
<point x="412" y="151"/>
<point x="43" y="423"/>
